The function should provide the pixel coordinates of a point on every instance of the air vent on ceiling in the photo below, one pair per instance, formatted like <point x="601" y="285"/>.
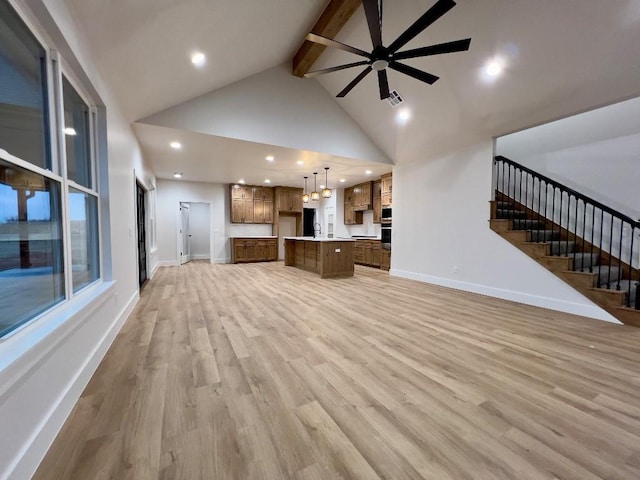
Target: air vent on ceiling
<point x="394" y="99"/>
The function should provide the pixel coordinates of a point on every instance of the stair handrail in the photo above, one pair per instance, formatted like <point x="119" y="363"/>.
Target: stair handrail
<point x="570" y="191"/>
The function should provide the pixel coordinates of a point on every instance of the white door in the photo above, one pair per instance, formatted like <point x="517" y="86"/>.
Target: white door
<point x="185" y="234"/>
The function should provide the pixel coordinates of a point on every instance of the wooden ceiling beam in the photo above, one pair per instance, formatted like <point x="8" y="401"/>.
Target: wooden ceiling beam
<point x="334" y="17"/>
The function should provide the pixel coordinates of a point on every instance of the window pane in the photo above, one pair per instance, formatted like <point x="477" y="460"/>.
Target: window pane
<point x="31" y="260"/>
<point x="76" y="134"/>
<point x="83" y="213"/>
<point x="24" y="130"/>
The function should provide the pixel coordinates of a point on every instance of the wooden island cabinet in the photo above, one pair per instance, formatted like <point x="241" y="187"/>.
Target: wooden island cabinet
<point x="329" y="257"/>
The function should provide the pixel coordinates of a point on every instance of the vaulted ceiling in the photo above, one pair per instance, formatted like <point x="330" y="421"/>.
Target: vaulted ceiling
<point x="560" y="57"/>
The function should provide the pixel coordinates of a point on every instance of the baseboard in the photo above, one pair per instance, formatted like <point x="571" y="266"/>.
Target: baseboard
<point x="221" y="260"/>
<point x="169" y="263"/>
<point x="204" y="256"/>
<point x="46" y="431"/>
<point x="154" y="269"/>
<point x="591" y="311"/>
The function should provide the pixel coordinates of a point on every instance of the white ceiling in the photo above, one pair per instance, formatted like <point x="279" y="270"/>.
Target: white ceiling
<point x="562" y="57"/>
<point x="209" y="158"/>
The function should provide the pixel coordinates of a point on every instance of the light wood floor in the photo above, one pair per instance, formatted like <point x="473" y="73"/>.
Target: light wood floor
<point x="264" y="371"/>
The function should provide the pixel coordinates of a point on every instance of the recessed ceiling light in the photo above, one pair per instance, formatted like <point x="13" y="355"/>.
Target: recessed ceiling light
<point x="300" y="162"/>
<point x="322" y="186"/>
<point x="403" y="116"/>
<point x="342" y="180"/>
<point x="269" y="158"/>
<point x="494" y="67"/>
<point x="368" y="172"/>
<point x="70" y="131"/>
<point x="198" y="59"/>
<point x="267" y="180"/>
<point x="241" y="181"/>
<point x="175" y="145"/>
<point x="177" y="175"/>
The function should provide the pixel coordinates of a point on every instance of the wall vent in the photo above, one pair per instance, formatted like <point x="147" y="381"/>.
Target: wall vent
<point x="395" y="99"/>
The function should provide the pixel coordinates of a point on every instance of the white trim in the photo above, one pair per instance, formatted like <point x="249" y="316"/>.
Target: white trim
<point x="592" y="311"/>
<point x="4" y="155"/>
<point x="30" y="343"/>
<point x="222" y="260"/>
<point x="169" y="263"/>
<point x="204" y="256"/>
<point x="30" y="456"/>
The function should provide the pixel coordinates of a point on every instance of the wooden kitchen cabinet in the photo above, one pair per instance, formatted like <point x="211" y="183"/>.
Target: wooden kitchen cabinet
<point x="385" y="259"/>
<point x="386" y="190"/>
<point x="251" y="204"/>
<point x="352" y="216"/>
<point x="289" y="199"/>
<point x="368" y="252"/>
<point x="248" y="249"/>
<point x="377" y="201"/>
<point x="363" y="197"/>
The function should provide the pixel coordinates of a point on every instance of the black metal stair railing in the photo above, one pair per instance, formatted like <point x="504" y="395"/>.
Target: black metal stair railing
<point x="598" y="238"/>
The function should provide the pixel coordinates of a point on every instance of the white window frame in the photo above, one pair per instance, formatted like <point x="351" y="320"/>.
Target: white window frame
<point x="55" y="68"/>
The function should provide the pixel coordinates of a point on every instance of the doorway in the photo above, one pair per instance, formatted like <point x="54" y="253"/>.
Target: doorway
<point x="194" y="232"/>
<point x="142" y="234"/>
<point x="185" y="234"/>
<point x="308" y="222"/>
<point x="286" y="228"/>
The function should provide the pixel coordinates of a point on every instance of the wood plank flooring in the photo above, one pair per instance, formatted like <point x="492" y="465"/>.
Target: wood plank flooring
<point x="261" y="371"/>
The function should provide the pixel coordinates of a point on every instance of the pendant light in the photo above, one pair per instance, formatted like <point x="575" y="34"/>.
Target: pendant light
<point x="305" y="195"/>
<point x="326" y="191"/>
<point x="315" y="196"/>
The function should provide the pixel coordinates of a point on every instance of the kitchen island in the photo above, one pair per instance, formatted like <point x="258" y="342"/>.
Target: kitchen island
<point x="330" y="257"/>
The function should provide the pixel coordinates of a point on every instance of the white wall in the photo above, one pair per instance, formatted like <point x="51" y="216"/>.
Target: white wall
<point x="45" y="366"/>
<point x="275" y="108"/>
<point x="441" y="235"/>
<point x="596" y="153"/>
<point x="169" y="195"/>
<point x="367" y="228"/>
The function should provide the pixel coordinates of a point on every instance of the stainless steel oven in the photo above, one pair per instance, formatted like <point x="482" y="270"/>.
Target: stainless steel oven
<point x="385" y="236"/>
<point x="385" y="215"/>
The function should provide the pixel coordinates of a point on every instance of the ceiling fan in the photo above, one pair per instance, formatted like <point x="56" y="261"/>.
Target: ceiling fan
<point x="382" y="57"/>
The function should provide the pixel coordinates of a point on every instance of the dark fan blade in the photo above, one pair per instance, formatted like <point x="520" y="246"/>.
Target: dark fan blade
<point x="374" y="21"/>
<point x="433" y="14"/>
<point x="354" y="82"/>
<point x="312" y="37"/>
<point x="414" y="72"/>
<point x="449" y="47"/>
<point x="384" y="84"/>
<point x="334" y="69"/>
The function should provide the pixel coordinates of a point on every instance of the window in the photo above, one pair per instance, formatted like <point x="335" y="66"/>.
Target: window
<point x="83" y="216"/>
<point x="24" y="127"/>
<point x="43" y="183"/>
<point x="31" y="266"/>
<point x="77" y="137"/>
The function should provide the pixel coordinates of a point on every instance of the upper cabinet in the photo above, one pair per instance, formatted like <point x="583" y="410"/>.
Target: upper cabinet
<point x="251" y="204"/>
<point x="363" y="196"/>
<point x="352" y="216"/>
<point x="289" y="199"/>
<point x="377" y="201"/>
<point x="386" y="189"/>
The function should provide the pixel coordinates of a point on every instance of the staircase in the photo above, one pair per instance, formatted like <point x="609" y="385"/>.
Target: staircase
<point x="588" y="245"/>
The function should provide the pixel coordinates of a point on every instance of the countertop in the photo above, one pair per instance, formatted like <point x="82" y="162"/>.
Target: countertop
<point x="254" y="236"/>
<point x="321" y="239"/>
